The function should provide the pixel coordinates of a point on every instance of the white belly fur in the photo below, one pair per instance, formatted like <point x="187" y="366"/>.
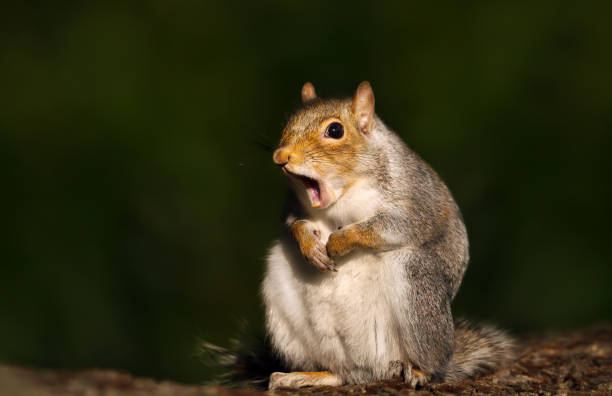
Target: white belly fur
<point x="343" y="321"/>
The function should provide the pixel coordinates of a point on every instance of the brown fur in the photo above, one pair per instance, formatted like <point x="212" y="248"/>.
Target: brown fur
<point x="303" y="137"/>
<point x="345" y="240"/>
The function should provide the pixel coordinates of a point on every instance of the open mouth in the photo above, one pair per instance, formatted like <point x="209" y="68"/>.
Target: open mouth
<point x="313" y="188"/>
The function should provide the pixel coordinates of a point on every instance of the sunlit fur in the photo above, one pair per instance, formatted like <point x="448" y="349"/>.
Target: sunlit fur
<point x="340" y="161"/>
<point x="390" y="301"/>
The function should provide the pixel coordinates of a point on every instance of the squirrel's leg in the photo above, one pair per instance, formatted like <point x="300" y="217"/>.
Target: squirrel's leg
<point x="300" y="379"/>
<point x="423" y="313"/>
<point x="312" y="248"/>
<point x="380" y="233"/>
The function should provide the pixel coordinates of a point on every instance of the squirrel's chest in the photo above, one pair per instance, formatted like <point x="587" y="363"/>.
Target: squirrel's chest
<point x="359" y="203"/>
<point x="340" y="300"/>
<point x="358" y="273"/>
<point x="339" y="303"/>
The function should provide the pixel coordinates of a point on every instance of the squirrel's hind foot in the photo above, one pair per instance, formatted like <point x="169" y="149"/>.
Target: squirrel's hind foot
<point x="411" y="376"/>
<point x="300" y="379"/>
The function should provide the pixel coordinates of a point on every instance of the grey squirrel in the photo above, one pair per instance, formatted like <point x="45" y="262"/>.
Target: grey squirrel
<point x="358" y="288"/>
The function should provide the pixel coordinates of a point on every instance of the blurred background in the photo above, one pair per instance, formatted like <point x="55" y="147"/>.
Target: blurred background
<point x="139" y="198"/>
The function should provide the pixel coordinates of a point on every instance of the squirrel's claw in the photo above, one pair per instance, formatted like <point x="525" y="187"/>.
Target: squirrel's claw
<point x="332" y="266"/>
<point x="321" y="260"/>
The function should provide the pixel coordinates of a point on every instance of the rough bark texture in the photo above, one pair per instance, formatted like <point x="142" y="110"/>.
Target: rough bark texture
<point x="572" y="363"/>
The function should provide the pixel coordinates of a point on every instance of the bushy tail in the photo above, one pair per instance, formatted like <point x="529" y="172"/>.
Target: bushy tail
<point x="247" y="362"/>
<point x="479" y="350"/>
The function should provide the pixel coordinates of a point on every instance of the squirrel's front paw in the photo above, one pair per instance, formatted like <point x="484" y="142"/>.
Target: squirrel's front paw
<point x="311" y="247"/>
<point x="339" y="243"/>
<point x="317" y="255"/>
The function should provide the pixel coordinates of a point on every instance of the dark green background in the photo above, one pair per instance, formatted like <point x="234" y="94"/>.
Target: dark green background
<point x="137" y="203"/>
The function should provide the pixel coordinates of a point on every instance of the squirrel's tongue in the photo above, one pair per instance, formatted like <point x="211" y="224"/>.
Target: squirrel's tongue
<point x="313" y="190"/>
<point x="315" y="196"/>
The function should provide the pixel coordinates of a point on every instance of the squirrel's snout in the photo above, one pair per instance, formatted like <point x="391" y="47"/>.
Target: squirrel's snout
<point x="282" y="156"/>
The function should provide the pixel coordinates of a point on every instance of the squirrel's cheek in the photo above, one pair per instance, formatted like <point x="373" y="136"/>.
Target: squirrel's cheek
<point x="329" y="195"/>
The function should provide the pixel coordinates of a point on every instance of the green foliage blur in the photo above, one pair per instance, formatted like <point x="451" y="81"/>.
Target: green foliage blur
<point x="139" y="196"/>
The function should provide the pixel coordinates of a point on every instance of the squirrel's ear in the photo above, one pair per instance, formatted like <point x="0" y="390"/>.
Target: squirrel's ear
<point x="363" y="107"/>
<point x="308" y="92"/>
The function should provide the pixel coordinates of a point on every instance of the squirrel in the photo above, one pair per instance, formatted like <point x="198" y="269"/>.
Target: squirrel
<point x="358" y="287"/>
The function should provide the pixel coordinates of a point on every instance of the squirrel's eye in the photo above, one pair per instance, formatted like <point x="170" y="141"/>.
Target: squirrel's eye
<point x="335" y="130"/>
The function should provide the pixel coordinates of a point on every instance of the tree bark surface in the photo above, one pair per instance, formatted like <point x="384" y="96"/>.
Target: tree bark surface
<point x="573" y="363"/>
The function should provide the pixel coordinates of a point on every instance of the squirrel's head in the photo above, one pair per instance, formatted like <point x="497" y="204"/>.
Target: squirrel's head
<point x="324" y="146"/>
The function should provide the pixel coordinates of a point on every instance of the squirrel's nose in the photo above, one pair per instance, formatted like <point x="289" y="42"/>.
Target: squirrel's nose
<point x="281" y="156"/>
